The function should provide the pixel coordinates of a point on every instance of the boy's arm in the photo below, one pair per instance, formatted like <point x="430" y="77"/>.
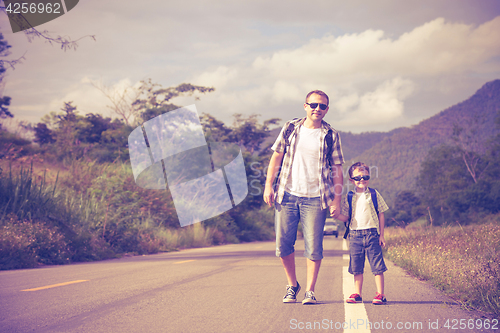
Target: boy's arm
<point x="381" y="219"/>
<point x="272" y="170"/>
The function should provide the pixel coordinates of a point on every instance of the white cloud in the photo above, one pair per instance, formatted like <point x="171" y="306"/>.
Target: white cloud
<point x="376" y="107"/>
<point x="434" y="48"/>
<point x="367" y="75"/>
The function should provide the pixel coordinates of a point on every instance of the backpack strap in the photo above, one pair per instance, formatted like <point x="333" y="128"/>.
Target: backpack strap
<point x="329" y="147"/>
<point x="374" y="199"/>
<point x="286" y="135"/>
<point x="348" y="223"/>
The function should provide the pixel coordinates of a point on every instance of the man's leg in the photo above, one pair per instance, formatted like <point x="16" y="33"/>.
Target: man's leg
<point x="312" y="273"/>
<point x="286" y="222"/>
<point x="289" y="266"/>
<point x="313" y="218"/>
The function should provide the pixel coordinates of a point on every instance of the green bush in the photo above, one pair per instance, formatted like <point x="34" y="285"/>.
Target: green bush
<point x="24" y="244"/>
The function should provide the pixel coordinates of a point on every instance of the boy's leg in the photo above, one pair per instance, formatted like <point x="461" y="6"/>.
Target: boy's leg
<point x="374" y="254"/>
<point x="356" y="264"/>
<point x="379" y="281"/>
<point x="358" y="284"/>
<point x="376" y="260"/>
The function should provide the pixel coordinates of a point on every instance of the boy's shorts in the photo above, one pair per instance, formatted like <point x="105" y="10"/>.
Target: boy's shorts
<point x="363" y="242"/>
<point x="288" y="214"/>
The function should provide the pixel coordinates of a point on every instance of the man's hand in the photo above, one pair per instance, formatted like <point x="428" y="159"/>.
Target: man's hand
<point x="269" y="196"/>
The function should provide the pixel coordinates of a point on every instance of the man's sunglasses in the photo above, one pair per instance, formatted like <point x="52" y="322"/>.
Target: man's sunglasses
<point x="358" y="178"/>
<point x="315" y="105"/>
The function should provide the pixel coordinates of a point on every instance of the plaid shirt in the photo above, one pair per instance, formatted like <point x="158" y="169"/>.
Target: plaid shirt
<point x="382" y="206"/>
<point x="325" y="177"/>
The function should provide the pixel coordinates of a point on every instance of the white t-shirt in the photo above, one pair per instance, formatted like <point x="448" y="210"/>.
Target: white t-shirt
<point x="362" y="217"/>
<point x="303" y="180"/>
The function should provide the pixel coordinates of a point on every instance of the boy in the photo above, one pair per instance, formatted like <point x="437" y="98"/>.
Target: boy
<point x="366" y="234"/>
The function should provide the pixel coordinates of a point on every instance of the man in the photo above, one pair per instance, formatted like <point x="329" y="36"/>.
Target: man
<point x="309" y="153"/>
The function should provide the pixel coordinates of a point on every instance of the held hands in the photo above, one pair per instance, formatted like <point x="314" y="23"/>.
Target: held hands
<point x="334" y="211"/>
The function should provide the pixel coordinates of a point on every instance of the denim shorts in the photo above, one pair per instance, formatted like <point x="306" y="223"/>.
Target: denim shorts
<point x="363" y="242"/>
<point x="288" y="214"/>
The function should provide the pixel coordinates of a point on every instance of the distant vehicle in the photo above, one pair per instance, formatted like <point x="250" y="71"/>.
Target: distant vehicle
<point x="331" y="228"/>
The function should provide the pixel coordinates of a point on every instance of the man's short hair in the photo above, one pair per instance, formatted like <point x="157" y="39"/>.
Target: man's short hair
<point x="318" y="92"/>
<point x="358" y="165"/>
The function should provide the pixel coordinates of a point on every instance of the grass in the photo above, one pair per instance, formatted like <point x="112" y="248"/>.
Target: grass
<point x="85" y="211"/>
<point x="464" y="262"/>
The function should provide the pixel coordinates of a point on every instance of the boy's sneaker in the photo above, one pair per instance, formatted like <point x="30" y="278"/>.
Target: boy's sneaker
<point x="291" y="294"/>
<point x="379" y="299"/>
<point x="354" y="298"/>
<point x="309" y="298"/>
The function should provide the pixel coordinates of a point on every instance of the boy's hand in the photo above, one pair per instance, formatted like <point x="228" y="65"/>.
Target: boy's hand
<point x="381" y="241"/>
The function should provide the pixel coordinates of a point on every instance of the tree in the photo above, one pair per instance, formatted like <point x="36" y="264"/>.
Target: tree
<point x="155" y="100"/>
<point x="121" y="101"/>
<point x="442" y="175"/>
<point x="407" y="208"/>
<point x="471" y="151"/>
<point x="43" y="135"/>
<point x="135" y="105"/>
<point x="249" y="133"/>
<point x="4" y="100"/>
<point x="32" y="33"/>
<point x="4" y="111"/>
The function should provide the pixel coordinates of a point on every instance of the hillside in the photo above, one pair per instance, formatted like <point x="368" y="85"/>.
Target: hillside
<point x="397" y="158"/>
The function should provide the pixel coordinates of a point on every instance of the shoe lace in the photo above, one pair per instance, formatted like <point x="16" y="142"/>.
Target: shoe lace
<point x="290" y="291"/>
<point x="309" y="294"/>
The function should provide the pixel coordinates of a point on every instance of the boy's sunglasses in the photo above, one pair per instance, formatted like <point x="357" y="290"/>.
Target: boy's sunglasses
<point x="358" y="178"/>
<point x="315" y="105"/>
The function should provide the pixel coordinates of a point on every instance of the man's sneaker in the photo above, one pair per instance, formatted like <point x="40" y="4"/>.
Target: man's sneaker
<point x="309" y="298"/>
<point x="379" y="299"/>
<point x="291" y="294"/>
<point x="354" y="298"/>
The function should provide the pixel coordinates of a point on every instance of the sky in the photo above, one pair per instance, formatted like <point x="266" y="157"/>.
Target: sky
<point x="384" y="64"/>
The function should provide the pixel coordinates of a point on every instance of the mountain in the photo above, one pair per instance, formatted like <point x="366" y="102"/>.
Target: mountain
<point x="395" y="156"/>
<point x="352" y="144"/>
<point x="396" y="159"/>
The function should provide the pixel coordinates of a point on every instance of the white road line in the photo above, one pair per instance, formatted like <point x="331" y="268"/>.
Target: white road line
<point x="356" y="318"/>
<point x="345" y="246"/>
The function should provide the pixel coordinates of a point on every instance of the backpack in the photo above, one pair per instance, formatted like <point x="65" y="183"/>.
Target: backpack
<point x="349" y="200"/>
<point x="328" y="150"/>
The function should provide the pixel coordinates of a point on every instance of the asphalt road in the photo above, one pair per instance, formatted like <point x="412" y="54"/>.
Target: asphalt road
<point x="230" y="288"/>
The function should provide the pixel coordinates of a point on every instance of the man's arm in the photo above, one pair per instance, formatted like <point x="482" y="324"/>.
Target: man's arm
<point x="338" y="183"/>
<point x="272" y="170"/>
